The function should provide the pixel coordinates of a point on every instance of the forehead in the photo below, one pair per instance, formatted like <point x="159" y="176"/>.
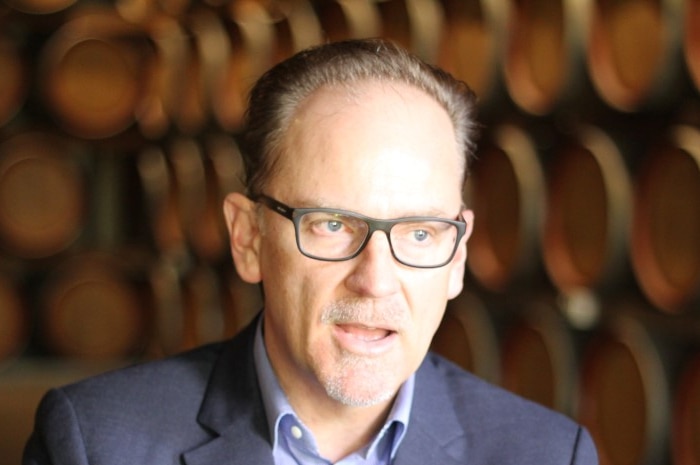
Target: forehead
<point x="372" y="143"/>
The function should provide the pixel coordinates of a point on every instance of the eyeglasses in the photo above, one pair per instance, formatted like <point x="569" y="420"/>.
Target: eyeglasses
<point x="334" y="235"/>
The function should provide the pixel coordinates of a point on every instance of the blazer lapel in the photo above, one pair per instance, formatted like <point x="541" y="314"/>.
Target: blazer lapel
<point x="233" y="411"/>
<point x="434" y="434"/>
<point x="239" y="448"/>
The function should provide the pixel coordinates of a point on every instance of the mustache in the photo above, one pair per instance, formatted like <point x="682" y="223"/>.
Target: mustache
<point x="371" y="313"/>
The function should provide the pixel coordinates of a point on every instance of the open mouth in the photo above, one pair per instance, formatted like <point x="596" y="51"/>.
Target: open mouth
<point x="364" y="339"/>
<point x="365" y="333"/>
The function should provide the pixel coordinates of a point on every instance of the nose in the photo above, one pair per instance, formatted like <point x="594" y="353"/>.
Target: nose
<point x="374" y="272"/>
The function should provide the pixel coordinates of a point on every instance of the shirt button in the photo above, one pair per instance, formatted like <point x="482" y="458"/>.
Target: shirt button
<point x="296" y="432"/>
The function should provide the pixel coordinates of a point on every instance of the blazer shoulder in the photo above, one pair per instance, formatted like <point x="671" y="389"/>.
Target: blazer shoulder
<point x="470" y="393"/>
<point x="146" y="410"/>
<point x="499" y="425"/>
<point x="189" y="370"/>
<point x="154" y="412"/>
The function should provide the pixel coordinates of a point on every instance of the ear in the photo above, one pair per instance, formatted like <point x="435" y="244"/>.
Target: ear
<point x="244" y="235"/>
<point x="459" y="262"/>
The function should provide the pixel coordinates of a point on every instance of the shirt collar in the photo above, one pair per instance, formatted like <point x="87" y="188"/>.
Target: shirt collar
<point x="277" y="406"/>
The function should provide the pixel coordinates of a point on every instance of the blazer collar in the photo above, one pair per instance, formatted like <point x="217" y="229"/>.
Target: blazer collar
<point x="233" y="411"/>
<point x="434" y="433"/>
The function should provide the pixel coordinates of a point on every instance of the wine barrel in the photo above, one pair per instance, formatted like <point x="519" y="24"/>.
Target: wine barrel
<point x="198" y="202"/>
<point x="467" y="337"/>
<point x="665" y="242"/>
<point x="15" y="321"/>
<point x="296" y="27"/>
<point x="208" y="53"/>
<point x="396" y="22"/>
<point x="624" y="394"/>
<point x="472" y="45"/>
<point x="92" y="73"/>
<point x="40" y="7"/>
<point x="176" y="8"/>
<point x="634" y="52"/>
<point x="93" y="307"/>
<point x="415" y="24"/>
<point x="506" y="192"/>
<point x="538" y="358"/>
<point x="545" y="53"/>
<point x="348" y="19"/>
<point x="160" y="200"/>
<point x="185" y="157"/>
<point x="686" y="416"/>
<point x="168" y="304"/>
<point x="223" y="168"/>
<point x="137" y="11"/>
<point x="242" y="302"/>
<point x="13" y="78"/>
<point x="203" y="298"/>
<point x="691" y="40"/>
<point x="193" y="111"/>
<point x="163" y="85"/>
<point x="43" y="198"/>
<point x="143" y="11"/>
<point x="251" y="36"/>
<point x="589" y="209"/>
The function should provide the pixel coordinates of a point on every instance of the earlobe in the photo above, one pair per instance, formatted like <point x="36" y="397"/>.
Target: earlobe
<point x="244" y="235"/>
<point x="456" y="279"/>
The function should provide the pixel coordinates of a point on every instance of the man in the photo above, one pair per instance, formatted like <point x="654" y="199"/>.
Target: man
<point x="356" y="153"/>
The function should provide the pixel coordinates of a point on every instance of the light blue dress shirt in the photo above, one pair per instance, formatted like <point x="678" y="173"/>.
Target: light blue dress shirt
<point x="293" y="443"/>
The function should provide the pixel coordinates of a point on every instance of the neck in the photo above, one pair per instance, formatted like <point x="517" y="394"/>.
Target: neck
<point x="338" y="429"/>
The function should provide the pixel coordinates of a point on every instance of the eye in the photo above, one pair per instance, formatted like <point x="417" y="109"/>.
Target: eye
<point x="324" y="224"/>
<point x="334" y="225"/>
<point x="421" y="235"/>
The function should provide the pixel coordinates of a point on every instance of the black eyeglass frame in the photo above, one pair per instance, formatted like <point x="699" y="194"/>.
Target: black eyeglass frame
<point x="374" y="224"/>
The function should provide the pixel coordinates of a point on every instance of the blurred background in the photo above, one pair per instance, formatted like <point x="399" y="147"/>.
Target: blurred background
<point x="118" y="139"/>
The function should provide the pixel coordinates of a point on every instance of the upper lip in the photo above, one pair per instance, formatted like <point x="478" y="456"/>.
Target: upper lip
<point x="368" y="326"/>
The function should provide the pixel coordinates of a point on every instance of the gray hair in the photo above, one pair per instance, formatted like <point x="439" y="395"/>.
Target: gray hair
<point x="276" y="96"/>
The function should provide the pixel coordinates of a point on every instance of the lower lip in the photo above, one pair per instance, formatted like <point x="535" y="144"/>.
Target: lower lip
<point x="355" y="341"/>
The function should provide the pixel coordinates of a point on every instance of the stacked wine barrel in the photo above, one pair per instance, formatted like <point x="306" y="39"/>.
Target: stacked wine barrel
<point x="119" y="126"/>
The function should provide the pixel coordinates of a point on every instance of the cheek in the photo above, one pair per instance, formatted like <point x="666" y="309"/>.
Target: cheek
<point x="295" y="286"/>
<point x="428" y="300"/>
<point x="281" y="279"/>
<point x="430" y="322"/>
<point x="277" y="249"/>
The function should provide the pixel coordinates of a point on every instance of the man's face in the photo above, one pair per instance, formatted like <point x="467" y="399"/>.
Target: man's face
<point x="358" y="328"/>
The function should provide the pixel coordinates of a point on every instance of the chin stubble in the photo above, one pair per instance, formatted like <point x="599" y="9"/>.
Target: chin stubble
<point x="356" y="380"/>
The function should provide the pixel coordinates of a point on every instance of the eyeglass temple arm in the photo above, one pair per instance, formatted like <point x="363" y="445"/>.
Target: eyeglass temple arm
<point x="276" y="206"/>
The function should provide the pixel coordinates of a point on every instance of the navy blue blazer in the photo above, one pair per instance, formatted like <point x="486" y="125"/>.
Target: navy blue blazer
<point x="204" y="407"/>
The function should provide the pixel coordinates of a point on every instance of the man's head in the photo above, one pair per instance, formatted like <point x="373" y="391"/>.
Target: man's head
<point x="277" y="95"/>
<point x="362" y="131"/>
